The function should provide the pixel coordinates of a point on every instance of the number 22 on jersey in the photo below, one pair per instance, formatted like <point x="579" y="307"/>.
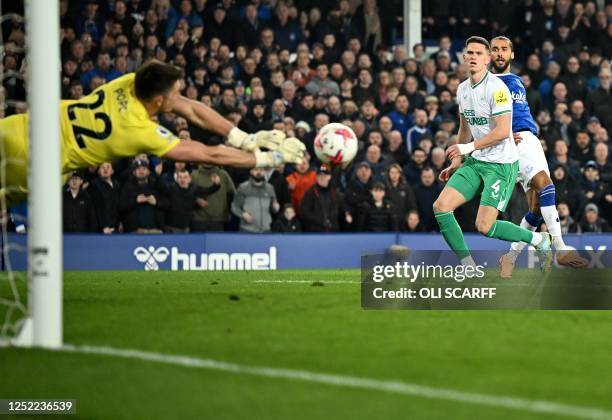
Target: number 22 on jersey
<point x="81" y="132"/>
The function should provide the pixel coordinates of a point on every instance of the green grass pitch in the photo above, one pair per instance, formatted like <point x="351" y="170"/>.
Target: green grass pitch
<point x="280" y="319"/>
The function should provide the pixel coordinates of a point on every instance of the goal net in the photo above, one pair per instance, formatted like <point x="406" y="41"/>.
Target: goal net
<point x="30" y="295"/>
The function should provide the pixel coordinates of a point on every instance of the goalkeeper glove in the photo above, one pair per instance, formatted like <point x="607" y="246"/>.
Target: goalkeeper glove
<point x="290" y="151"/>
<point x="293" y="150"/>
<point x="261" y="140"/>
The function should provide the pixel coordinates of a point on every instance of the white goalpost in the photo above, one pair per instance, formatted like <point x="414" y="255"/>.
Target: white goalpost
<point x="45" y="207"/>
<point x="43" y="325"/>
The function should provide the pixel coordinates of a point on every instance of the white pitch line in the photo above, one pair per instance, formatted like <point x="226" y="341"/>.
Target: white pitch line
<point x="307" y="281"/>
<point x="404" y="388"/>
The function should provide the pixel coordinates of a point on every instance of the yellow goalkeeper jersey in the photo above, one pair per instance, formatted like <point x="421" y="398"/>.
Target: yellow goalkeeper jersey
<point x="107" y="124"/>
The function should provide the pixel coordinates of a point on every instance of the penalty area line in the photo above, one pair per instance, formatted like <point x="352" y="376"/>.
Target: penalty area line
<point x="396" y="387"/>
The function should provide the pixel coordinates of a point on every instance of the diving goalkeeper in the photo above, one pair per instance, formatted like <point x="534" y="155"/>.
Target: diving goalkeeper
<point x="115" y="121"/>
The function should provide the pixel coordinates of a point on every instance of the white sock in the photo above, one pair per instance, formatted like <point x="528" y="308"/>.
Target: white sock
<point x="536" y="239"/>
<point x="551" y="218"/>
<point x="468" y="261"/>
<point x="517" y="247"/>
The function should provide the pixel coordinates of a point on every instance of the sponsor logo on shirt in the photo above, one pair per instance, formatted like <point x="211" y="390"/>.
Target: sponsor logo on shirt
<point x="518" y="97"/>
<point x="472" y="119"/>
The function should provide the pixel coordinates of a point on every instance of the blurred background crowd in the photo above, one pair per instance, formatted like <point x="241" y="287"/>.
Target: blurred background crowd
<point x="298" y="65"/>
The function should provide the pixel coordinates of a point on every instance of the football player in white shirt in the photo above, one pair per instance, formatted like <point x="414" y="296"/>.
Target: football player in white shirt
<point x="485" y="111"/>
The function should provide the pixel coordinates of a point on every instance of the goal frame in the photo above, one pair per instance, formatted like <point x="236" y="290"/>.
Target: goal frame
<point x="43" y="326"/>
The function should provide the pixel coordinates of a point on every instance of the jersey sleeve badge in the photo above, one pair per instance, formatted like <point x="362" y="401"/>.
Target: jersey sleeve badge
<point x="165" y="133"/>
<point x="501" y="97"/>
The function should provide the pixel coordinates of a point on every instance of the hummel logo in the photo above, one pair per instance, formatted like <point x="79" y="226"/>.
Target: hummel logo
<point x="151" y="256"/>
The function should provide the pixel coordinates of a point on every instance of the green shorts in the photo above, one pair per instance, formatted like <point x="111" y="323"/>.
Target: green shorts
<point x="493" y="181"/>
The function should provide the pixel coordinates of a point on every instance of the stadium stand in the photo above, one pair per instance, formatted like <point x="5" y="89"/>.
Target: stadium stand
<point x="297" y="65"/>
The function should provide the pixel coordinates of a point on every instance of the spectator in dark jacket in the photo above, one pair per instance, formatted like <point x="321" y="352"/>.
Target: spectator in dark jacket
<point x="287" y="222"/>
<point x="287" y="32"/>
<point x="218" y="26"/>
<point x="426" y="193"/>
<point x="549" y="129"/>
<point x="573" y="79"/>
<point x="583" y="149"/>
<point x="378" y="215"/>
<point x="378" y="164"/>
<point x="396" y="149"/>
<point x="568" y="224"/>
<point x="140" y="202"/>
<point x="413" y="169"/>
<point x="78" y="211"/>
<point x="104" y="191"/>
<point x="358" y="191"/>
<point x="592" y="222"/>
<point x="183" y="198"/>
<point x="276" y="178"/>
<point x="599" y="100"/>
<point x="256" y="119"/>
<point x="399" y="193"/>
<point x="560" y="155"/>
<point x="412" y="223"/>
<point x="594" y="189"/>
<point x="567" y="189"/>
<point x="170" y="170"/>
<point x="321" y="205"/>
<point x="249" y="27"/>
<point x="602" y="160"/>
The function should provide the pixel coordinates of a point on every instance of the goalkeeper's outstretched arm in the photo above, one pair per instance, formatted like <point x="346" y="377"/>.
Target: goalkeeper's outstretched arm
<point x="203" y="116"/>
<point x="196" y="152"/>
<point x="280" y="149"/>
<point x="209" y="119"/>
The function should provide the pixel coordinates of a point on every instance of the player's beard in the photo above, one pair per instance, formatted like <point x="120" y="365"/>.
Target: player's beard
<point x="501" y="69"/>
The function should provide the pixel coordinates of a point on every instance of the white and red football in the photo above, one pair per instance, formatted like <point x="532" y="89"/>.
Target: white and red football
<point x="336" y="144"/>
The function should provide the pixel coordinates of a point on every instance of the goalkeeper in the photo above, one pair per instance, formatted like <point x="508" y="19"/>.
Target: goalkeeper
<point x="115" y="121"/>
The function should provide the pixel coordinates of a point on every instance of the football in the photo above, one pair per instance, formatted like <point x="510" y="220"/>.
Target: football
<point x="336" y="144"/>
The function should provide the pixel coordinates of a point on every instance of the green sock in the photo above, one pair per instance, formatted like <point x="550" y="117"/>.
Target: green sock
<point x="449" y="228"/>
<point x="508" y="231"/>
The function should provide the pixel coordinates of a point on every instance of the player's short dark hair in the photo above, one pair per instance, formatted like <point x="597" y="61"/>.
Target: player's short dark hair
<point x="155" y="78"/>
<point x="504" y="38"/>
<point x="478" y="40"/>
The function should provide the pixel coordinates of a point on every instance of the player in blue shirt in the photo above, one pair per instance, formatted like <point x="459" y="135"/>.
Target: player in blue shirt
<point x="534" y="174"/>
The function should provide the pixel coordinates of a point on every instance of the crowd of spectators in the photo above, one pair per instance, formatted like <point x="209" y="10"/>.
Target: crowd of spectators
<point x="298" y="65"/>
